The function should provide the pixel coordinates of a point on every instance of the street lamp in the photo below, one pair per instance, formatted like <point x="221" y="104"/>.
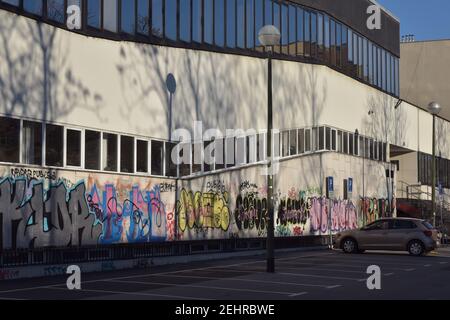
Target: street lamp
<point x="434" y="108"/>
<point x="270" y="36"/>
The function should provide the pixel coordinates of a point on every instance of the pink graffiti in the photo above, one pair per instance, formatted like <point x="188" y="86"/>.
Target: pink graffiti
<point x="344" y="216"/>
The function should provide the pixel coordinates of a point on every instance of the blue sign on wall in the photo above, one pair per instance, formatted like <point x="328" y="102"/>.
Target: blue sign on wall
<point x="330" y="184"/>
<point x="350" y="185"/>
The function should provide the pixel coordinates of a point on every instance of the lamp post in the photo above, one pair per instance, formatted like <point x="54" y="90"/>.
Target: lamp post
<point x="270" y="36"/>
<point x="434" y="108"/>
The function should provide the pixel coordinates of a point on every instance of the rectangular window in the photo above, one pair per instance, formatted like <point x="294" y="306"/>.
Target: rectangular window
<point x="308" y="140"/>
<point x="126" y="154"/>
<point x="219" y="154"/>
<point x="388" y="72"/>
<point x="307" y="28"/>
<point x="345" y="142"/>
<point x="321" y="138"/>
<point x="92" y="150"/>
<point x="356" y="147"/>
<point x="143" y="18"/>
<point x="383" y="70"/>
<point x="31" y="142"/>
<point x="185" y="168"/>
<point x="300" y="32"/>
<point x="171" y="20"/>
<point x="344" y="47"/>
<point x="208" y="20"/>
<point x="33" y="6"/>
<point x="268" y="12"/>
<point x="56" y="10"/>
<point x="197" y="21"/>
<point x="333" y="140"/>
<point x="314" y="139"/>
<point x="250" y="24"/>
<point x="110" y="16"/>
<point x="54" y="145"/>
<point x="277" y="22"/>
<point x="361" y="58"/>
<point x="9" y="140"/>
<point x="339" y="143"/>
<point x="284" y="29"/>
<point x="293" y="142"/>
<point x="361" y="152"/>
<point x="285" y="143"/>
<point x="370" y="63"/>
<point x="313" y="35"/>
<point x="260" y="148"/>
<point x="328" y="138"/>
<point x="128" y="17"/>
<point x="230" y="151"/>
<point x="240" y="27"/>
<point x="333" y="42"/>
<point x="350" y="45"/>
<point x="73" y="148"/>
<point x="301" y="141"/>
<point x="171" y="167"/>
<point x="320" y="39"/>
<point x="185" y="20"/>
<point x="142" y="156"/>
<point x="219" y="23"/>
<point x="259" y="21"/>
<point x="94" y="13"/>
<point x="365" y="62"/>
<point x="241" y="150"/>
<point x="157" y="153"/>
<point x="292" y="30"/>
<point x="351" y="142"/>
<point x="326" y="35"/>
<point x="157" y="18"/>
<point x="231" y="23"/>
<point x="338" y="44"/>
<point x="251" y="148"/>
<point x="197" y="156"/>
<point x="109" y="147"/>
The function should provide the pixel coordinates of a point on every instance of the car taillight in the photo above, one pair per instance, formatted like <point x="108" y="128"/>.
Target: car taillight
<point x="428" y="233"/>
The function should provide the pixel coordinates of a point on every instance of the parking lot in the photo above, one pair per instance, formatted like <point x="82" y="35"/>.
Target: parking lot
<point x="300" y="275"/>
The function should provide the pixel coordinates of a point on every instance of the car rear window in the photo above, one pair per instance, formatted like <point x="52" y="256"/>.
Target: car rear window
<point x="404" y="224"/>
<point x="428" y="225"/>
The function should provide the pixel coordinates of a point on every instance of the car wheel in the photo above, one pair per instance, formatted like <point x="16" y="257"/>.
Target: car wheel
<point x="349" y="246"/>
<point x="416" y="248"/>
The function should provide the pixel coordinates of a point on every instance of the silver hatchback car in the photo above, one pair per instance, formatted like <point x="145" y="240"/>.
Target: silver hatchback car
<point x="394" y="234"/>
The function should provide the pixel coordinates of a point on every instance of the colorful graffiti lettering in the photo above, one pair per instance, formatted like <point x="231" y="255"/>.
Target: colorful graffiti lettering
<point x="203" y="210"/>
<point x="250" y="212"/>
<point x="34" y="217"/>
<point x="7" y="274"/>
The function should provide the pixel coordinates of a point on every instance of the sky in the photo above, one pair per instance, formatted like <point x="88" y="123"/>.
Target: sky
<point x="426" y="19"/>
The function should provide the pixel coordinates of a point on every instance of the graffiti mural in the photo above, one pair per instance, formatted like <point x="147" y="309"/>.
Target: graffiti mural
<point x="35" y="217"/>
<point x="207" y="210"/>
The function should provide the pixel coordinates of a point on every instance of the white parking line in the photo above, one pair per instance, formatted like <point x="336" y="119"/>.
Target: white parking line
<point x="427" y="265"/>
<point x="388" y="274"/>
<point x="317" y="276"/>
<point x="200" y="287"/>
<point x="297" y="294"/>
<point x="339" y="265"/>
<point x="134" y="293"/>
<point x="380" y="262"/>
<point x="251" y="280"/>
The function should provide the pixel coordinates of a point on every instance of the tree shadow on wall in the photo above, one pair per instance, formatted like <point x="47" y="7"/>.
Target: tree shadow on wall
<point x="36" y="79"/>
<point x="213" y="88"/>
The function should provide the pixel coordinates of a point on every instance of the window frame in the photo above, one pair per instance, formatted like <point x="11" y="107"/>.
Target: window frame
<point x="82" y="146"/>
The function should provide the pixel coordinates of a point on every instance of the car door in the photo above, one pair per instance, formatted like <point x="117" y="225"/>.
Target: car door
<point x="373" y="236"/>
<point x="401" y="234"/>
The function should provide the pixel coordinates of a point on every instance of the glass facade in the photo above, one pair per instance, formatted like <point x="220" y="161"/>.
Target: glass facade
<point x="233" y="25"/>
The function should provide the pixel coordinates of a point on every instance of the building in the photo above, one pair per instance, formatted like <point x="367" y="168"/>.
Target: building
<point x="423" y="78"/>
<point x="87" y="116"/>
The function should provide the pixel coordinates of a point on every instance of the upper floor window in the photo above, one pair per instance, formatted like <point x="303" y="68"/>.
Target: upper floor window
<point x="33" y="6"/>
<point x="9" y="139"/>
<point x="128" y="17"/>
<point x="94" y="14"/>
<point x="56" y="10"/>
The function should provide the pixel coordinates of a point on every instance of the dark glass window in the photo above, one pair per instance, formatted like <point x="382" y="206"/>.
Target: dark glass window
<point x="197" y="152"/>
<point x="404" y="224"/>
<point x="350" y="45"/>
<point x="351" y="141"/>
<point x="171" y="167"/>
<point x="231" y="23"/>
<point x="109" y="152"/>
<point x="185" y="20"/>
<point x="250" y="21"/>
<point x="171" y="19"/>
<point x="197" y="21"/>
<point x="259" y="22"/>
<point x="327" y="40"/>
<point x="157" y="158"/>
<point x="33" y="6"/>
<point x="284" y="29"/>
<point x="307" y="140"/>
<point x="293" y="142"/>
<point x="340" y="147"/>
<point x="300" y="32"/>
<point x="143" y="19"/>
<point x="338" y="44"/>
<point x="9" y="140"/>
<point x="268" y="12"/>
<point x="333" y="140"/>
<point x="240" y="23"/>
<point x="321" y="138"/>
<point x="92" y="150"/>
<point x="142" y="156"/>
<point x="344" y="46"/>
<point x="54" y="145"/>
<point x="56" y="10"/>
<point x="208" y="20"/>
<point x="126" y="154"/>
<point x="301" y="141"/>
<point x="328" y="139"/>
<point x="128" y="16"/>
<point x="365" y="60"/>
<point x="320" y="38"/>
<point x="73" y="148"/>
<point x="333" y="42"/>
<point x="307" y="28"/>
<point x="219" y="154"/>
<point x="94" y="13"/>
<point x="31" y="143"/>
<point x="277" y="21"/>
<point x="185" y="168"/>
<point x="285" y="143"/>
<point x="345" y="142"/>
<point x="157" y="18"/>
<point x="313" y="34"/>
<point x="292" y="30"/>
<point x="219" y="22"/>
<point x="230" y="151"/>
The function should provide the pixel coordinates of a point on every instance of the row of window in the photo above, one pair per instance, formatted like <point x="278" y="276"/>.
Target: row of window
<point x="34" y="143"/>
<point x="425" y="162"/>
<point x="233" y="25"/>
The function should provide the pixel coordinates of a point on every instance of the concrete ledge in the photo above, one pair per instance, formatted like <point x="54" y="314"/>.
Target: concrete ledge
<point x="37" y="271"/>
